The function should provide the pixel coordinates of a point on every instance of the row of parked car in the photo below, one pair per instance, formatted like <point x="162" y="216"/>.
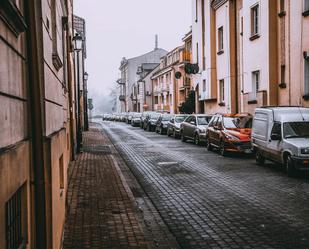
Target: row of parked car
<point x="279" y="134"/>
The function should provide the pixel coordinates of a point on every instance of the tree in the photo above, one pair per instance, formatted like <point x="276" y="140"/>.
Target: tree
<point x="188" y="106"/>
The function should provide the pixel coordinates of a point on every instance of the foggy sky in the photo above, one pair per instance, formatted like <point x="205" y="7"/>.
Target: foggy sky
<point x="126" y="28"/>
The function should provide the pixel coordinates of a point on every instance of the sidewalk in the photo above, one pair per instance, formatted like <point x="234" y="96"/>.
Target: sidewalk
<point x="100" y="212"/>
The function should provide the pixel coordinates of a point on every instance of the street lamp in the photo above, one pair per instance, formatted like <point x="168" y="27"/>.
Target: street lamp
<point x="78" y="43"/>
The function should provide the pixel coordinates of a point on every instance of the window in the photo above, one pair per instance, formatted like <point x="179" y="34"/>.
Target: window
<point x="282" y="74"/>
<point x="61" y="172"/>
<point x="196" y="10"/>
<point x="255" y="83"/>
<point x="276" y="130"/>
<point x="16" y="219"/>
<point x="220" y="39"/>
<point x="221" y="87"/>
<point x="306" y="5"/>
<point x="204" y="85"/>
<point x="255" y="20"/>
<point x="197" y="56"/>
<point x="306" y="75"/>
<point x="282" y="7"/>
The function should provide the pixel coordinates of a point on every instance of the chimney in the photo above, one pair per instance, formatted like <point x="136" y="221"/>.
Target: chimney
<point x="156" y="42"/>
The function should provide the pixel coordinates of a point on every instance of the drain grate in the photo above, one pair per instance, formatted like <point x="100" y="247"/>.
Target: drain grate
<point x="98" y="149"/>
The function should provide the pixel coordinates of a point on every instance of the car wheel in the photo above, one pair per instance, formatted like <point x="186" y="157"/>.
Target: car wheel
<point x="222" y="149"/>
<point x="161" y="131"/>
<point x="168" y="133"/>
<point x="183" y="139"/>
<point x="208" y="145"/>
<point x="148" y="127"/>
<point x="196" y="139"/>
<point x="174" y="134"/>
<point x="290" y="169"/>
<point x="259" y="158"/>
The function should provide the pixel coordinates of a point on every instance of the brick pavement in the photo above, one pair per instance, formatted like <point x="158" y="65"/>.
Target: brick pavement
<point x="101" y="209"/>
<point x="209" y="201"/>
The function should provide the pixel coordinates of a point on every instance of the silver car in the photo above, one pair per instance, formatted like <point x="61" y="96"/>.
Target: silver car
<point x="281" y="134"/>
<point x="173" y="126"/>
<point x="194" y="127"/>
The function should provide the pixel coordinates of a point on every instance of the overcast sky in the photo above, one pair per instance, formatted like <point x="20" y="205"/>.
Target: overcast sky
<point x="126" y="28"/>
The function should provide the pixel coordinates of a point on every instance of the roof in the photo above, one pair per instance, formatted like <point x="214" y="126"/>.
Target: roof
<point x="287" y="114"/>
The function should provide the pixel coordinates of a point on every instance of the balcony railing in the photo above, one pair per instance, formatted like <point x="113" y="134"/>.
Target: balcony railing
<point x="165" y="88"/>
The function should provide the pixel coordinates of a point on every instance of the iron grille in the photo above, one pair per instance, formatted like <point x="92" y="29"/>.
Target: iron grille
<point x="13" y="219"/>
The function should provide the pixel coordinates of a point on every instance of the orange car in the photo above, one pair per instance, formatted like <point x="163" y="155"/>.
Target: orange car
<point x="230" y="133"/>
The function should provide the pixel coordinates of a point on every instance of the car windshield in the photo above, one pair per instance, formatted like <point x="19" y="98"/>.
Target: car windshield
<point x="137" y="115"/>
<point x="203" y="120"/>
<point x="179" y="119"/>
<point x="154" y="116"/>
<point x="296" y="129"/>
<point x="237" y="122"/>
<point x="166" y="118"/>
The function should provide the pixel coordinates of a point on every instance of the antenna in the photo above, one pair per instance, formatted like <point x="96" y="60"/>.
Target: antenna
<point x="301" y="114"/>
<point x="156" y="42"/>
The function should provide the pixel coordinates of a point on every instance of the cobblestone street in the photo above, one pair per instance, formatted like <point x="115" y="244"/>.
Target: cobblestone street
<point x="210" y="201"/>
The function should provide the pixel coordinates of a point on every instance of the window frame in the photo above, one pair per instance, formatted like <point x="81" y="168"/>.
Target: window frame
<point x="255" y="21"/>
<point x="220" y="43"/>
<point x="255" y="83"/>
<point x="222" y="91"/>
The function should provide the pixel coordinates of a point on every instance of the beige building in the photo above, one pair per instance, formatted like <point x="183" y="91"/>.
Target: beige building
<point x="37" y="121"/>
<point x="164" y="83"/>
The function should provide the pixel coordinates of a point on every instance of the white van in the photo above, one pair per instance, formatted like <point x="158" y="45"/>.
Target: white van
<point x="281" y="134"/>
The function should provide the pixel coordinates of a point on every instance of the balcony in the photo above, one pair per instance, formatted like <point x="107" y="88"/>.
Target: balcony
<point x="165" y="88"/>
<point x="122" y="98"/>
<point x="186" y="56"/>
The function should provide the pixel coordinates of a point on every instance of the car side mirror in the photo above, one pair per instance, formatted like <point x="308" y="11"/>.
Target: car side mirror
<point x="275" y="137"/>
<point x="192" y="122"/>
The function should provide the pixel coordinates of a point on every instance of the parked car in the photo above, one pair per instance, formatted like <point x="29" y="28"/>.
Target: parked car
<point x="230" y="133"/>
<point x="281" y="134"/>
<point x="151" y="121"/>
<point x="173" y="126"/>
<point x="161" y="125"/>
<point x="194" y="127"/>
<point x="143" y="118"/>
<point x="129" y="117"/>
<point x="136" y="119"/>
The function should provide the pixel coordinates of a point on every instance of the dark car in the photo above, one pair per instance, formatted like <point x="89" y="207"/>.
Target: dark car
<point x="230" y="133"/>
<point x="173" y="126"/>
<point x="143" y="118"/>
<point x="151" y="121"/>
<point x="194" y="127"/>
<point x="163" y="120"/>
<point x="136" y="119"/>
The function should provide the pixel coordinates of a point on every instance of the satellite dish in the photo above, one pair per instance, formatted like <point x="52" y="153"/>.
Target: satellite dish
<point x="178" y="75"/>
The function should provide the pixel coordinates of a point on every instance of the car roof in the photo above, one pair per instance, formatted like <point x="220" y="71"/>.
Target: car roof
<point x="286" y="114"/>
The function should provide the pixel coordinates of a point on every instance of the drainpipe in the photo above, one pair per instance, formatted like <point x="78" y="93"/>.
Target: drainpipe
<point x="33" y="10"/>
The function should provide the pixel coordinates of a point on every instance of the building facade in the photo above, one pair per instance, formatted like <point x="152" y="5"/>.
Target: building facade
<point x="144" y="86"/>
<point x="127" y="82"/>
<point x="249" y="54"/>
<point x="37" y="93"/>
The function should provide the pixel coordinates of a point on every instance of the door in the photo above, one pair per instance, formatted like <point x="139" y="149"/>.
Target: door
<point x="217" y="131"/>
<point x="191" y="127"/>
<point x="186" y="126"/>
<point x="210" y="129"/>
<point x="275" y="144"/>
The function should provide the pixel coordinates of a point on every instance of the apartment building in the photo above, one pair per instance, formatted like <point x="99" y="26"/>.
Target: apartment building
<point x="250" y="53"/>
<point x="144" y="86"/>
<point x="214" y="49"/>
<point x="164" y="83"/>
<point x="37" y="128"/>
<point x="127" y="100"/>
